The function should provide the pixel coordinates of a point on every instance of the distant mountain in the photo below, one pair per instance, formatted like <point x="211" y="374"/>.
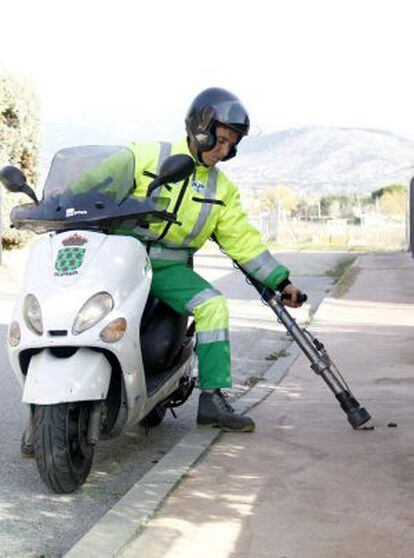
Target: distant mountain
<point x="313" y="159"/>
<point x="322" y="160"/>
<point x="104" y="129"/>
<point x="68" y="133"/>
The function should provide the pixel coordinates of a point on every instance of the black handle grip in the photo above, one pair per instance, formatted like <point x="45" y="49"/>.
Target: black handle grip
<point x="301" y="298"/>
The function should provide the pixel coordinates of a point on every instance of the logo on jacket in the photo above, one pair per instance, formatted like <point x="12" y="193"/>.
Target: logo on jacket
<point x="198" y="186"/>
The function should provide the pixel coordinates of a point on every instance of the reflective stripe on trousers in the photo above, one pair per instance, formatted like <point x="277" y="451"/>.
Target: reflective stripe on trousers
<point x="212" y="320"/>
<point x="201" y="297"/>
<point x="213" y="346"/>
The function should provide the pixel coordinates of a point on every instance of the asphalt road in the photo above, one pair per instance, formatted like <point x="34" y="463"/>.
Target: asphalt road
<point x="35" y="522"/>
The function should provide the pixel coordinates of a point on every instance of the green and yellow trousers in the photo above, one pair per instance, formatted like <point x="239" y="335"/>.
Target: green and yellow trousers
<point x="178" y="285"/>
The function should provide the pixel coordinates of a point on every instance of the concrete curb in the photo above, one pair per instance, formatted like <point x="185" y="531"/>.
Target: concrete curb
<point x="122" y="523"/>
<point x="126" y="519"/>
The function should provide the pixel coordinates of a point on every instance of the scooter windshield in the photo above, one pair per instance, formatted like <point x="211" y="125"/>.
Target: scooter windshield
<point x="90" y="187"/>
<point x="107" y="169"/>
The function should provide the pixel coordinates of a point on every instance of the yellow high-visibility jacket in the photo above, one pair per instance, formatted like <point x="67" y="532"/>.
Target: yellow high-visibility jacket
<point x="210" y="205"/>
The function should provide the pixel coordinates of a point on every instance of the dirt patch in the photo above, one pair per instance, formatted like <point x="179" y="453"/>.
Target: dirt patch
<point x="340" y="268"/>
<point x="344" y="275"/>
<point x="342" y="286"/>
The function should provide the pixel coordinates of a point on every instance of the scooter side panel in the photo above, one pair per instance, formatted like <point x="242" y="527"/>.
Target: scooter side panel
<point x="85" y="376"/>
<point x="116" y="264"/>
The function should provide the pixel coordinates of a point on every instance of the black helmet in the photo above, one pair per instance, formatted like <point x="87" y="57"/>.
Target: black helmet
<point x="211" y="107"/>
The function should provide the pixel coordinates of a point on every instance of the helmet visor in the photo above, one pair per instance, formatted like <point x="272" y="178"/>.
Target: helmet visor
<point x="232" y="113"/>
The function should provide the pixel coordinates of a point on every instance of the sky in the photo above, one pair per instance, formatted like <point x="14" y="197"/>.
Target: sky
<point x="293" y="63"/>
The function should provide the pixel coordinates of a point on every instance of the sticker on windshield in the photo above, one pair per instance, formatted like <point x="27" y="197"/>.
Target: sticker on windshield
<point x="70" y="258"/>
<point x="72" y="212"/>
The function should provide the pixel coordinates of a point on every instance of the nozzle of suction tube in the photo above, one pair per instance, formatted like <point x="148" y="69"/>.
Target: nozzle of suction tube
<point x="356" y="413"/>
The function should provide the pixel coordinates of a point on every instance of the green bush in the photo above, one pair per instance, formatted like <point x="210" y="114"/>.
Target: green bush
<point x="19" y="144"/>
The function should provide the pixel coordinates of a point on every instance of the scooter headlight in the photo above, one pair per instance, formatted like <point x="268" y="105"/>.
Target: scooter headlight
<point x="92" y="312"/>
<point x="32" y="314"/>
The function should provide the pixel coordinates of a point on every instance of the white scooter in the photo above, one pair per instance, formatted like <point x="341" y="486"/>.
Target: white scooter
<point x="92" y="351"/>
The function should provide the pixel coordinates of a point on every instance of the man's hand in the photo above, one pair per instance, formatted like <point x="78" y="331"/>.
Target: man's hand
<point x="293" y="292"/>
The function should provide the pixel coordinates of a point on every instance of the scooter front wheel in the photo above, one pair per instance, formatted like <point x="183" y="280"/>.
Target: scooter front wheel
<point x="63" y="455"/>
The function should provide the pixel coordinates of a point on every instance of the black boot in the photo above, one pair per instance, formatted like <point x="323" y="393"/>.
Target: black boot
<point x="215" y="410"/>
<point x="26" y="445"/>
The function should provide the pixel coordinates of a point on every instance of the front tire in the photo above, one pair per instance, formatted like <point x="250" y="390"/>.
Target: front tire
<point x="63" y="455"/>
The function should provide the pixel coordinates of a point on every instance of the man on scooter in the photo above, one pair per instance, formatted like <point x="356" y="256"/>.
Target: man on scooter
<point x="208" y="205"/>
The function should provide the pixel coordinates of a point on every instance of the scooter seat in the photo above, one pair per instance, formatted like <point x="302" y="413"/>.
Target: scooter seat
<point x="162" y="335"/>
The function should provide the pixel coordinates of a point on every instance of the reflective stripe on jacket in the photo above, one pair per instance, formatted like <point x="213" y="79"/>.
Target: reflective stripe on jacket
<point x="210" y="206"/>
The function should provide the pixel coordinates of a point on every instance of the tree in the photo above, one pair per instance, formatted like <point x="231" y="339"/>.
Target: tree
<point x="344" y="206"/>
<point x="392" y="199"/>
<point x="337" y="205"/>
<point x="19" y="142"/>
<point x="280" y="196"/>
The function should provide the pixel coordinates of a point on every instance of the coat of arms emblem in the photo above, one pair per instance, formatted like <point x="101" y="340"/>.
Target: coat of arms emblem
<point x="71" y="256"/>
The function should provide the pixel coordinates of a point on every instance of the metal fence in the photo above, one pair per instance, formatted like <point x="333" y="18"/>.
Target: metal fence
<point x="376" y="232"/>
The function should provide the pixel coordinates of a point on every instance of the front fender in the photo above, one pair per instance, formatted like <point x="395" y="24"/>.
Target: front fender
<point x="85" y="376"/>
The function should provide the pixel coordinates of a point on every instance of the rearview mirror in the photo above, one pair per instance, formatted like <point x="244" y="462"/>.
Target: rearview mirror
<point x="173" y="169"/>
<point x="176" y="168"/>
<point x="14" y="180"/>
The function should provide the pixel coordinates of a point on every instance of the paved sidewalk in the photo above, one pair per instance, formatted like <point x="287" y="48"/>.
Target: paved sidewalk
<point x="306" y="485"/>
